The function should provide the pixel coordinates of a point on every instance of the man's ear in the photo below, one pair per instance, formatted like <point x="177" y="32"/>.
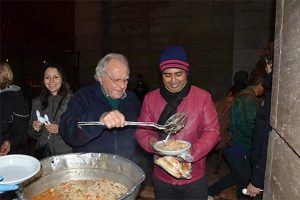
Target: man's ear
<point x="100" y="80"/>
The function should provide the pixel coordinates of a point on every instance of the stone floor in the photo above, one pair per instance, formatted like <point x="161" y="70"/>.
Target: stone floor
<point x="216" y="168"/>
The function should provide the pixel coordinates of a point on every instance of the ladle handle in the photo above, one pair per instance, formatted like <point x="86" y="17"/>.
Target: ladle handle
<point x="127" y="123"/>
<point x="152" y="124"/>
<point x="167" y="137"/>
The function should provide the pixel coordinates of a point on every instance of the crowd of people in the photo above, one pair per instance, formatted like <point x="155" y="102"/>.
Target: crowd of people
<point x="56" y="111"/>
<point x="249" y="128"/>
<point x="237" y="154"/>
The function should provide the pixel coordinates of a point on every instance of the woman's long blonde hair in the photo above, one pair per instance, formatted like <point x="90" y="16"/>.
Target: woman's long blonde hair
<point x="6" y="75"/>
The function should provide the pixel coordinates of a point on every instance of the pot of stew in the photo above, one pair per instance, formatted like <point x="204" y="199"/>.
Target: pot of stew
<point x="84" y="176"/>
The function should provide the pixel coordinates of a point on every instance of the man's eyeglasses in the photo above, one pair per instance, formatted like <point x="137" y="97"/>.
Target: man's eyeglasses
<point x="118" y="81"/>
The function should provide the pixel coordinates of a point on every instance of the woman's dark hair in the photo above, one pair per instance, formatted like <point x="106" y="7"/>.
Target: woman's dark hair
<point x="240" y="82"/>
<point x="64" y="90"/>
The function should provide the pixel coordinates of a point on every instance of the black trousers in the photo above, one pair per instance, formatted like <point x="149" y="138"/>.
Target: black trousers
<point x="195" y="190"/>
<point x="240" y="175"/>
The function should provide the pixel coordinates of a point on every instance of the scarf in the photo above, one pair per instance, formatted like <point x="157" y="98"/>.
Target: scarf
<point x="113" y="102"/>
<point x="173" y="100"/>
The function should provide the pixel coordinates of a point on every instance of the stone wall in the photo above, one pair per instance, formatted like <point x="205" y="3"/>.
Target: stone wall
<point x="283" y="165"/>
<point x="212" y="32"/>
<point x="254" y="24"/>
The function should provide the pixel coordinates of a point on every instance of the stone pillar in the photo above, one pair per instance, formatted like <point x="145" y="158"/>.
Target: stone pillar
<point x="88" y="37"/>
<point x="282" y="180"/>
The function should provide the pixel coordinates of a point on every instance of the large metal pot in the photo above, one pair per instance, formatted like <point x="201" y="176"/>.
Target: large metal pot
<point x="63" y="168"/>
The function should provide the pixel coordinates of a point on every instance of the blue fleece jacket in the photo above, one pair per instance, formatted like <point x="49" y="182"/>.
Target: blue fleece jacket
<point x="88" y="104"/>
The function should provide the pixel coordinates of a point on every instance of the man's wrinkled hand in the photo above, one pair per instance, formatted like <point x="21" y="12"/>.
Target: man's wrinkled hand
<point x="113" y="119"/>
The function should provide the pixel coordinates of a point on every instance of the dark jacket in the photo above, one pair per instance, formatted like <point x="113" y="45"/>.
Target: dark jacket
<point x="54" y="111"/>
<point x="88" y="104"/>
<point x="261" y="137"/>
<point x="14" y="119"/>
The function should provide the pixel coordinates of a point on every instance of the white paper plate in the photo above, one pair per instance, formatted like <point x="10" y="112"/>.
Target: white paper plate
<point x="17" y="168"/>
<point x="171" y="153"/>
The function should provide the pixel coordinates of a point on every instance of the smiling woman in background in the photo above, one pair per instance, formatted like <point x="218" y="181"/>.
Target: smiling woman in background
<point x="52" y="102"/>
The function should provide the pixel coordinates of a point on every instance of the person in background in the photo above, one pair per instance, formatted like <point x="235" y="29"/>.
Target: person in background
<point x="52" y="101"/>
<point x="261" y="131"/>
<point x="240" y="81"/>
<point x="201" y="130"/>
<point x="14" y="115"/>
<point x="141" y="89"/>
<point x="106" y="101"/>
<point x="237" y="154"/>
<point x="223" y="108"/>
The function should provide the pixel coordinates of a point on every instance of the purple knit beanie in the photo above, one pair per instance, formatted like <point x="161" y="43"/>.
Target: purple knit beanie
<point x="174" y="57"/>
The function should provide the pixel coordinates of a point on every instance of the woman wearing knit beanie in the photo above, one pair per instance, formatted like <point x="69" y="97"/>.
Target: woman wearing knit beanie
<point x="177" y="95"/>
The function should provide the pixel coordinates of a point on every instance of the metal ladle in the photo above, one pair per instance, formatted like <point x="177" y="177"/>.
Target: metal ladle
<point x="174" y="124"/>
